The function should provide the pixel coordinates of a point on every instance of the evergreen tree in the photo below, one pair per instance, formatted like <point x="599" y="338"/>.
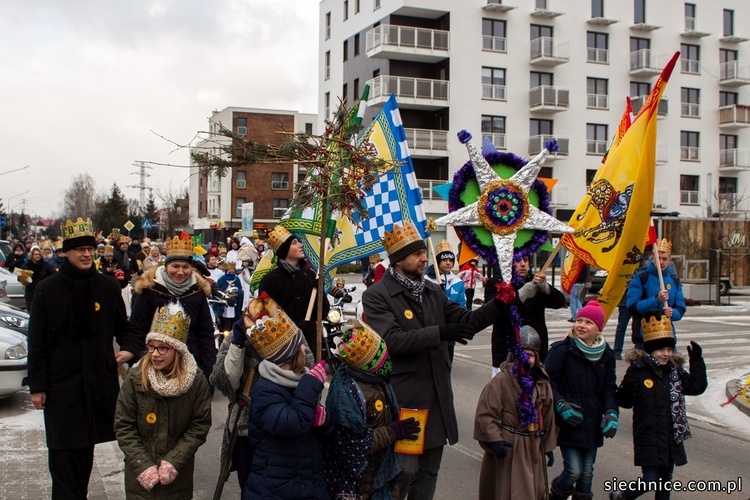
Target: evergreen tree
<point x="111" y="212"/>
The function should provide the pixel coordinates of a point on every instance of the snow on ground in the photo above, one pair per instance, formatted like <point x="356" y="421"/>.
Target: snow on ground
<point x="707" y="407"/>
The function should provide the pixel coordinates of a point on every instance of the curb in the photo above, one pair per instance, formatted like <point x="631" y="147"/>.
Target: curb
<point x="733" y="386"/>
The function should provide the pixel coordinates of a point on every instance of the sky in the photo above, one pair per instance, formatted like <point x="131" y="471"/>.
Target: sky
<point x="89" y="86"/>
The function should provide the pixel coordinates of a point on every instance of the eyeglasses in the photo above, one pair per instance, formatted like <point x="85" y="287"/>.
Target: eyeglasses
<point x="162" y="349"/>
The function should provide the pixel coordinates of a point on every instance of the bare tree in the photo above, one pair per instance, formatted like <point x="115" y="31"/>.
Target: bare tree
<point x="79" y="200"/>
<point x="173" y="214"/>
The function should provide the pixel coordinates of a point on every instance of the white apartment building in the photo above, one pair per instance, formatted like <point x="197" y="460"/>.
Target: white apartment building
<point x="525" y="71"/>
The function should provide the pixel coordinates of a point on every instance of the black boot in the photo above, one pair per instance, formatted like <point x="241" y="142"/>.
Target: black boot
<point x="583" y="496"/>
<point x="557" y="494"/>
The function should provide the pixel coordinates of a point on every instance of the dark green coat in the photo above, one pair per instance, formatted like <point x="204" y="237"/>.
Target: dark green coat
<point x="181" y="426"/>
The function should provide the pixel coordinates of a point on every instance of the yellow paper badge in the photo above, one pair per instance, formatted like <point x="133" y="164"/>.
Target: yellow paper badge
<point x="97" y="306"/>
<point x="151" y="418"/>
<point x="379" y="405"/>
<point x="408" y="314"/>
<point x="648" y="383"/>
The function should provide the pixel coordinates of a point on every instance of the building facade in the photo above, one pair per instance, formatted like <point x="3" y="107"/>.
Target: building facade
<point x="525" y="71"/>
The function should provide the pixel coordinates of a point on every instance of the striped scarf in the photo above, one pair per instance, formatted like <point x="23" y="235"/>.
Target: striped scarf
<point x="592" y="353"/>
<point x="414" y="287"/>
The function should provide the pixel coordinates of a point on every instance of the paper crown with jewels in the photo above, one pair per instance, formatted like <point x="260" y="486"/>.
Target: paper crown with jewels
<point x="109" y="250"/>
<point x="657" y="331"/>
<point x="228" y="265"/>
<point x="402" y="241"/>
<point x="77" y="234"/>
<point x="444" y="251"/>
<point x="664" y="245"/>
<point x="170" y="325"/>
<point x="363" y="349"/>
<point x="278" y="236"/>
<point x="179" y="249"/>
<point x="272" y="333"/>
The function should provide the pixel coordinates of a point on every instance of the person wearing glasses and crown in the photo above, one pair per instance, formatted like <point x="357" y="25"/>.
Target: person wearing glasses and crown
<point x="163" y="412"/>
<point x="78" y="313"/>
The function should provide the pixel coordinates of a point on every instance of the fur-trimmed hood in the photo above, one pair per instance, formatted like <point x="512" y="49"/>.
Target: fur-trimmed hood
<point x="637" y="354"/>
<point x="147" y="281"/>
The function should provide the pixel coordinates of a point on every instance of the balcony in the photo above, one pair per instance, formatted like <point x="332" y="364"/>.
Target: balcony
<point x="735" y="116"/>
<point x="732" y="202"/>
<point x="559" y="196"/>
<point x="594" y="147"/>
<point x="732" y="74"/>
<point x="545" y="99"/>
<point x="545" y="13"/>
<point x="543" y="51"/>
<point x="644" y="63"/>
<point x="494" y="44"/>
<point x="733" y="160"/>
<point x="424" y="143"/>
<point x="638" y="102"/>
<point x="599" y="56"/>
<point x="407" y="43"/>
<point x="497" y="6"/>
<point x="690" y="110"/>
<point x="689" y="197"/>
<point x="690" y="31"/>
<point x="597" y="101"/>
<point x="412" y="93"/>
<point x="733" y="39"/>
<point x="493" y="92"/>
<point x="497" y="139"/>
<point x="426" y="186"/>
<point x="690" y="153"/>
<point x="644" y="27"/>
<point x="536" y="145"/>
<point x="601" y="21"/>
<point x="690" y="66"/>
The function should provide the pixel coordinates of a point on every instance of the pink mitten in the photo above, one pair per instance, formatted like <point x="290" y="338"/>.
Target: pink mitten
<point x="149" y="478"/>
<point x="320" y="416"/>
<point x="167" y="472"/>
<point x="319" y="370"/>
<point x="119" y="275"/>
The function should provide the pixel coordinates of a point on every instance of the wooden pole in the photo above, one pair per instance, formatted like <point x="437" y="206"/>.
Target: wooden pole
<point x="655" y="257"/>
<point x="439" y="278"/>
<point x="550" y="258"/>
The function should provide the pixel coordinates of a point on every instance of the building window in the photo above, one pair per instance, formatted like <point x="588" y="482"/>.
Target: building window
<point x="376" y="73"/>
<point x="638" y="89"/>
<point x="308" y="128"/>
<point x="597" y="93"/>
<point x="345" y="93"/>
<point x="346" y="10"/>
<point x="597" y="45"/>
<point x="376" y="5"/>
<point x="542" y="41"/>
<point x="690" y="146"/>
<point x="240" y="202"/>
<point x="493" y="84"/>
<point x="241" y="179"/>
<point x="242" y="126"/>
<point x="540" y="127"/>
<point x="328" y="25"/>
<point x="727" y="64"/>
<point x="597" y="8"/>
<point x="494" y="128"/>
<point x="690" y="17"/>
<point x="539" y="79"/>
<point x="327" y="100"/>
<point x="540" y="31"/>
<point x="494" y="35"/>
<point x="541" y="4"/>
<point x="727" y="98"/>
<point x="280" y="206"/>
<point x="279" y="181"/>
<point x="356" y="45"/>
<point x="596" y="139"/>
<point x="689" y="189"/>
<point x="356" y="6"/>
<point x="728" y="22"/>
<point x="355" y="89"/>
<point x="728" y="194"/>
<point x="328" y="64"/>
<point x="691" y="58"/>
<point x="346" y="50"/>
<point x="727" y="150"/>
<point x="639" y="11"/>
<point x="590" y="174"/>
<point x="690" y="99"/>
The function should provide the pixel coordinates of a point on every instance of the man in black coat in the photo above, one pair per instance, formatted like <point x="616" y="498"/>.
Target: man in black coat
<point x="416" y="319"/>
<point x="77" y="314"/>
<point x="125" y="260"/>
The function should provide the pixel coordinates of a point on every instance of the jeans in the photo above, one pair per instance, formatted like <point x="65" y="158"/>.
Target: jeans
<point x="576" y="298"/>
<point x="578" y="470"/>
<point x="623" y="318"/>
<point x="420" y="474"/>
<point x="653" y="474"/>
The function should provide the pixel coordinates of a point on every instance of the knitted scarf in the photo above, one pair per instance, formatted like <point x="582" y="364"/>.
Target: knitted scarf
<point x="176" y="289"/>
<point x="171" y="387"/>
<point x="592" y="353"/>
<point x="279" y="376"/>
<point x="414" y="287"/>
<point x="680" y="427"/>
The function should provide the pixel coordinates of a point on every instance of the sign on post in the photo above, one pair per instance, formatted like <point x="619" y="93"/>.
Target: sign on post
<point x="3" y="222"/>
<point x="247" y="219"/>
<point x="129" y="226"/>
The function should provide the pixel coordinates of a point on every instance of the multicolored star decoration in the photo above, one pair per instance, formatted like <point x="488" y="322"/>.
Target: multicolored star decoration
<point x="501" y="211"/>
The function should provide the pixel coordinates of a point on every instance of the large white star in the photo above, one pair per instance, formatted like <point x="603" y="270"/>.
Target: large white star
<point x="524" y="213"/>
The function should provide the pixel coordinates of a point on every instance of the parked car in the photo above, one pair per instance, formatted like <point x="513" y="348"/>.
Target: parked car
<point x="6" y="248"/>
<point x="14" y="367"/>
<point x="597" y="280"/>
<point x="13" y="288"/>
<point x="3" y="293"/>
<point x="14" y="318"/>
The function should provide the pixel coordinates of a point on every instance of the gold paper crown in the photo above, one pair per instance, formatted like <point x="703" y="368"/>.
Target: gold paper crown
<point x="400" y="237"/>
<point x="278" y="236"/>
<point x="77" y="229"/>
<point x="45" y="245"/>
<point x="374" y="258"/>
<point x="171" y="321"/>
<point x="654" y="329"/>
<point x="109" y="250"/>
<point x="361" y="347"/>
<point x="444" y="246"/>
<point x="663" y="245"/>
<point x="228" y="264"/>
<point x="179" y="248"/>
<point x="276" y="329"/>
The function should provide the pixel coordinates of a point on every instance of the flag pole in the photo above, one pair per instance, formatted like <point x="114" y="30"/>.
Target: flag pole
<point x="550" y="258"/>
<point x="438" y="278"/>
<point x="655" y="257"/>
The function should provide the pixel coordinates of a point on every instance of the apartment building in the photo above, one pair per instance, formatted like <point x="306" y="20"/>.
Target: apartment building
<point x="525" y="71"/>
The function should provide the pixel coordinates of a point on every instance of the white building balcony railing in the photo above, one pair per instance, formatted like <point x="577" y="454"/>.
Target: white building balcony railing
<point x="691" y="110"/>
<point x="690" y="29"/>
<point x="734" y="159"/>
<point x="427" y="143"/>
<point x="497" y="139"/>
<point x="494" y="44"/>
<point x="638" y="102"/>
<point x="690" y="66"/>
<point x="550" y="99"/>
<point x="497" y="6"/>
<point x="597" y="101"/>
<point x="595" y="147"/>
<point x="536" y="145"/>
<point x="493" y="92"/>
<point x="414" y="93"/>
<point x="426" y="186"/>
<point x="734" y="116"/>
<point x="690" y="153"/>
<point x="544" y="51"/>
<point x="732" y="74"/>
<point x="644" y="63"/>
<point x="600" y="56"/>
<point x="407" y="43"/>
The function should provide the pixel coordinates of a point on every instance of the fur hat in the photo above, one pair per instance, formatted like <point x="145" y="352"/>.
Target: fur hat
<point x="657" y="331"/>
<point x="402" y="241"/>
<point x="593" y="311"/>
<point x="272" y="333"/>
<point x="364" y="350"/>
<point x="170" y="325"/>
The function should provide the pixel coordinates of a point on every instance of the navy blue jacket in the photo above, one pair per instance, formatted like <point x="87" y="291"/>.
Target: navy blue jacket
<point x="592" y="386"/>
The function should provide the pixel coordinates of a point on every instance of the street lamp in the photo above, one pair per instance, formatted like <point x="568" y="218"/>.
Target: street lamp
<point x="15" y="170"/>
<point x="14" y="196"/>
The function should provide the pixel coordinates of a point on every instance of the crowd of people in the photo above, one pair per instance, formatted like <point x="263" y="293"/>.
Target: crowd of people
<point x="281" y="436"/>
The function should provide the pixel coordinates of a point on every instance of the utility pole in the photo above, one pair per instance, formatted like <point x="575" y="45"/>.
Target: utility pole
<point x="142" y="182"/>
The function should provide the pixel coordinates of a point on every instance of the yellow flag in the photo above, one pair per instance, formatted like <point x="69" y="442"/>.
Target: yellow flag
<point x="609" y="235"/>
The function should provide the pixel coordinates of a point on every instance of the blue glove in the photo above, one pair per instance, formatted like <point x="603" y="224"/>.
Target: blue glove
<point x="499" y="448"/>
<point x="570" y="413"/>
<point x="238" y="334"/>
<point x="609" y="423"/>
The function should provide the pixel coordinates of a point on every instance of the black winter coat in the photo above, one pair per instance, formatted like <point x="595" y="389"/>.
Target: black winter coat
<point x="592" y="386"/>
<point x="75" y="363"/>
<point x="42" y="270"/>
<point x="645" y="389"/>
<point x="150" y="296"/>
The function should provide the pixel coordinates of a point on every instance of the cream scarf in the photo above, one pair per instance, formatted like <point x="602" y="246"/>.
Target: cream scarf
<point x="171" y="387"/>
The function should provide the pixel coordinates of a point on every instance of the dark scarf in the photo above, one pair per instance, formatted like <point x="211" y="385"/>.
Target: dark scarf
<point x="414" y="287"/>
<point x="82" y="283"/>
<point x="680" y="427"/>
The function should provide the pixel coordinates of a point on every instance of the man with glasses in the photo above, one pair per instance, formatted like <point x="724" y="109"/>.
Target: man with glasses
<point x="76" y="316"/>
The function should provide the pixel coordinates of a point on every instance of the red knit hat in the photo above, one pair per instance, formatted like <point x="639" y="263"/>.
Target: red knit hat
<point x="593" y="311"/>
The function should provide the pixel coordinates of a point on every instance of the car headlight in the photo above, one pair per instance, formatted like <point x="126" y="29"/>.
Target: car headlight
<point x="601" y="273"/>
<point x="15" y="321"/>
<point x="334" y="316"/>
<point x="17" y="351"/>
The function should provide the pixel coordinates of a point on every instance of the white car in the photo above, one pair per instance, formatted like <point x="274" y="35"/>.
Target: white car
<point x="14" y="365"/>
<point x="13" y="288"/>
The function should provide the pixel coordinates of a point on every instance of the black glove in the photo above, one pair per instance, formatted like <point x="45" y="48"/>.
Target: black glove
<point x="609" y="423"/>
<point x="460" y="332"/>
<point x="550" y="459"/>
<point x="230" y="302"/>
<point x="405" y="429"/>
<point x="238" y="334"/>
<point x="347" y="299"/>
<point x="499" y="448"/>
<point x="570" y="413"/>
<point x="695" y="352"/>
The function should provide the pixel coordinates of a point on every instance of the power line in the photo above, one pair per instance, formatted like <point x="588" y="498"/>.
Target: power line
<point x="142" y="184"/>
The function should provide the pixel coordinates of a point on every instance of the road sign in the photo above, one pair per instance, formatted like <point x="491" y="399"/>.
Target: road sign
<point x="129" y="226"/>
<point x="3" y="222"/>
<point x="146" y="224"/>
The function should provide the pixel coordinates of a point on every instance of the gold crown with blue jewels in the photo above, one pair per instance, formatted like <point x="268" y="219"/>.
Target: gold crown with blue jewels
<point x="77" y="229"/>
<point x="172" y="321"/>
